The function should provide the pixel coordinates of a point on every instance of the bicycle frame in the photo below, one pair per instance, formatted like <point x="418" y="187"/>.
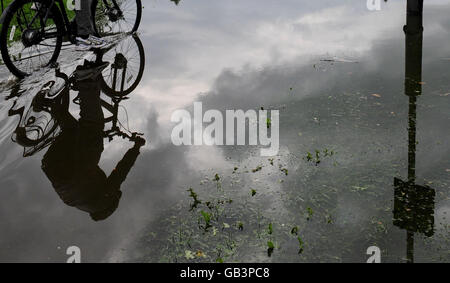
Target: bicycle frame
<point x="68" y="28"/>
<point x="65" y="17"/>
<point x="113" y="108"/>
<point x="63" y="98"/>
<point x="62" y="10"/>
<point x="61" y="7"/>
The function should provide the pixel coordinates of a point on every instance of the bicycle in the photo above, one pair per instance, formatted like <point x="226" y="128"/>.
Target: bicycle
<point x="38" y="128"/>
<point x="33" y="31"/>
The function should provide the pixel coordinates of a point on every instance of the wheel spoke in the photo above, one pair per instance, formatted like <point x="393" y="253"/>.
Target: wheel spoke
<point x="107" y="25"/>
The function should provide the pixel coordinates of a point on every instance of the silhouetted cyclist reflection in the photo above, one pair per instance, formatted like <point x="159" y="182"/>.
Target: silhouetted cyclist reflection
<point x="71" y="162"/>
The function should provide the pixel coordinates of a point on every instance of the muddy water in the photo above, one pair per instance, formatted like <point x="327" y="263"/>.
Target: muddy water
<point x="335" y="72"/>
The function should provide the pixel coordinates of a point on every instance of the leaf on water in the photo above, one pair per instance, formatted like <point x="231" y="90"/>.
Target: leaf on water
<point x="300" y="245"/>
<point x="329" y="219"/>
<point x="310" y="213"/>
<point x="257" y="169"/>
<point x="253" y="192"/>
<point x="294" y="231"/>
<point x="269" y="123"/>
<point x="270" y="229"/>
<point x="189" y="254"/>
<point x="194" y="196"/>
<point x="207" y="218"/>
<point x="270" y="249"/>
<point x="209" y="205"/>
<point x="359" y="189"/>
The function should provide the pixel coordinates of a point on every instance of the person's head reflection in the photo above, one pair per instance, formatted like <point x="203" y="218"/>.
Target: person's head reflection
<point x="71" y="162"/>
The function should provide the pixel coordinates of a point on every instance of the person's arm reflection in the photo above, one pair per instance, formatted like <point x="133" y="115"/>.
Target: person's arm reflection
<point x="119" y="174"/>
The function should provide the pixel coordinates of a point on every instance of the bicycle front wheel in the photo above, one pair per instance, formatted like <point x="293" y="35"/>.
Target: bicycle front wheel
<point x="28" y="39"/>
<point x="112" y="17"/>
<point x="126" y="68"/>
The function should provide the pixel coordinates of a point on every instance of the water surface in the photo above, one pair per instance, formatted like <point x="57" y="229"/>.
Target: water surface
<point x="336" y="72"/>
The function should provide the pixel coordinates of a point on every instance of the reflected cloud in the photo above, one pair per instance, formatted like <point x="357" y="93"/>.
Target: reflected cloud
<point x="319" y="63"/>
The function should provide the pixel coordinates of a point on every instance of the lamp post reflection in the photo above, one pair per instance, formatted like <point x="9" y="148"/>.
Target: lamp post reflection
<point x="413" y="204"/>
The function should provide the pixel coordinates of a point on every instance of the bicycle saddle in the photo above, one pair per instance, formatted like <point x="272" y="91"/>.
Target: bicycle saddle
<point x="89" y="70"/>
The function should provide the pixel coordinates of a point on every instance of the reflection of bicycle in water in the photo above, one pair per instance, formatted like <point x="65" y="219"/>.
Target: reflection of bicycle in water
<point x="33" y="31"/>
<point x="71" y="162"/>
<point x="127" y="63"/>
<point x="121" y="70"/>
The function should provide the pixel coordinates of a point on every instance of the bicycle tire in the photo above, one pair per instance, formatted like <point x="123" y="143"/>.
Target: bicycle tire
<point x="10" y="12"/>
<point x="23" y="137"/>
<point x="108" y="90"/>
<point x="97" y="6"/>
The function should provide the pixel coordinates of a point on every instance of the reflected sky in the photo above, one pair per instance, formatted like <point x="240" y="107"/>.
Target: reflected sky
<point x="336" y="73"/>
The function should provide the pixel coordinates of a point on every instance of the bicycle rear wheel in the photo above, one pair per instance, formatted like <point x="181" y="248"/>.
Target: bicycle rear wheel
<point x="28" y="41"/>
<point x="113" y="17"/>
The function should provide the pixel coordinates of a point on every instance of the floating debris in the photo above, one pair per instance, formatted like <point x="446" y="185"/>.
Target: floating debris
<point x="300" y="245"/>
<point x="257" y="169"/>
<point x="270" y="248"/>
<point x="310" y="213"/>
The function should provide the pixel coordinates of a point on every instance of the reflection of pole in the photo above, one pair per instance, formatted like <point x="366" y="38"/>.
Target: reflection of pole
<point x="413" y="88"/>
<point x="411" y="166"/>
<point x="413" y="204"/>
<point x="412" y="139"/>
<point x="410" y="247"/>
